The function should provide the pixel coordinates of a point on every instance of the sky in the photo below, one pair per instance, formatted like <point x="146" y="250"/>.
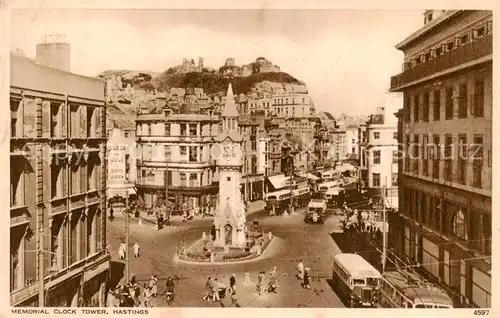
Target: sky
<point x="345" y="57"/>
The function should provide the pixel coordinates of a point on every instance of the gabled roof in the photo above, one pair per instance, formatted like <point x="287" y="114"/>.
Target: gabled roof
<point x="231" y="134"/>
<point x="230" y="106"/>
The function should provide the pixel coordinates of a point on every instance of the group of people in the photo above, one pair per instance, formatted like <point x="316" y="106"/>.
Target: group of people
<point x="122" y="251"/>
<point x="304" y="274"/>
<point x="215" y="290"/>
<point x="125" y="295"/>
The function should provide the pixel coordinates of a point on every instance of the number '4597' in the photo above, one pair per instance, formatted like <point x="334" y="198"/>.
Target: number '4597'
<point x="481" y="312"/>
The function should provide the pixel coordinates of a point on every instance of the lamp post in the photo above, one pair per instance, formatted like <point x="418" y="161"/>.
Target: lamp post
<point x="127" y="238"/>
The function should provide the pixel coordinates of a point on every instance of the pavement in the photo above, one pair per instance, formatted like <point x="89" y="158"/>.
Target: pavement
<point x="310" y="243"/>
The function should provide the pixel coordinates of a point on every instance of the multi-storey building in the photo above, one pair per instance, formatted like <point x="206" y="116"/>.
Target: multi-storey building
<point x="363" y="162"/>
<point x="352" y="141"/>
<point x="252" y="179"/>
<point x="292" y="105"/>
<point x="175" y="151"/>
<point x="381" y="153"/>
<point x="275" y="135"/>
<point x="444" y="219"/>
<point x="122" y="171"/>
<point x="58" y="187"/>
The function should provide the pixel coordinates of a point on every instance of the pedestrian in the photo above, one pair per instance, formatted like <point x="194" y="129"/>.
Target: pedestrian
<point x="147" y="296"/>
<point x="232" y="295"/>
<point x="111" y="298"/>
<point x="137" y="294"/>
<point x="153" y="286"/>
<point x="208" y="289"/>
<point x="306" y="279"/>
<point x="260" y="282"/>
<point x="215" y="290"/>
<point x="111" y="212"/>
<point x="232" y="281"/>
<point x="300" y="269"/>
<point x="122" y="251"/>
<point x="136" y="250"/>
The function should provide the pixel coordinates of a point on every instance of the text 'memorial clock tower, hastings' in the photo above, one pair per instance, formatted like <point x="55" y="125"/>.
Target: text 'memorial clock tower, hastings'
<point x="230" y="213"/>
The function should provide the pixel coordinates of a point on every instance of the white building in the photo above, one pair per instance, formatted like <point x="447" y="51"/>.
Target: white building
<point x="382" y="156"/>
<point x="121" y="165"/>
<point x="352" y="141"/>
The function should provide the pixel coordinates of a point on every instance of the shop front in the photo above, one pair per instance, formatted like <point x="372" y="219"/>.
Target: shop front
<point x="93" y="291"/>
<point x="64" y="294"/>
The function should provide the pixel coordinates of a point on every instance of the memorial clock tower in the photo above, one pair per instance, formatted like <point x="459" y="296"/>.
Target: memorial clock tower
<point x="230" y="215"/>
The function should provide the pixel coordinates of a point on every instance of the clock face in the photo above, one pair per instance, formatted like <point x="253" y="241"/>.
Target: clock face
<point x="228" y="151"/>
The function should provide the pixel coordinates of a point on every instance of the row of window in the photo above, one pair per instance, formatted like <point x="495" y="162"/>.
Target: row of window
<point x="456" y="157"/>
<point x="70" y="241"/>
<point x="376" y="182"/>
<point x="449" y="218"/>
<point x="285" y="101"/>
<point x="424" y="103"/>
<point x="85" y="121"/>
<point x="450" y="45"/>
<point x="186" y="129"/>
<point x="284" y="111"/>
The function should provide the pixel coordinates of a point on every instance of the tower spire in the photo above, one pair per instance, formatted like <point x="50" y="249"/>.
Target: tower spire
<point x="230" y="106"/>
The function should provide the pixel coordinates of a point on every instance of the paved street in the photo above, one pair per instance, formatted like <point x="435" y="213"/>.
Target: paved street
<point x="296" y="240"/>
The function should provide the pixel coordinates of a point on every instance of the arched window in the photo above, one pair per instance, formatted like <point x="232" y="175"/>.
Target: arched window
<point x="460" y="225"/>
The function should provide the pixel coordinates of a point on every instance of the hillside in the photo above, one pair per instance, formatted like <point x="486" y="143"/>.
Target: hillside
<point x="212" y="82"/>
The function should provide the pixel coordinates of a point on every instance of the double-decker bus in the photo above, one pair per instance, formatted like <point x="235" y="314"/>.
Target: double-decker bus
<point x="403" y="289"/>
<point x="278" y="201"/>
<point x="356" y="281"/>
<point x="331" y="175"/>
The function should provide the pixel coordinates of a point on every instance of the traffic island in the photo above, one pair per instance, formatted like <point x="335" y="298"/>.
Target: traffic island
<point x="204" y="251"/>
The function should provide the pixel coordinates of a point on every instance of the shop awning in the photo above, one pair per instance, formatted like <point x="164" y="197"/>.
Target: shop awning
<point x="309" y="176"/>
<point x="279" y="181"/>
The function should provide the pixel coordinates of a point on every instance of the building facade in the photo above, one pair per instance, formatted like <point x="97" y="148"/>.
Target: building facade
<point x="381" y="153"/>
<point x="122" y="170"/>
<point x="292" y="105"/>
<point x="252" y="180"/>
<point x="352" y="141"/>
<point x="175" y="151"/>
<point x="444" y="219"/>
<point x="58" y="187"/>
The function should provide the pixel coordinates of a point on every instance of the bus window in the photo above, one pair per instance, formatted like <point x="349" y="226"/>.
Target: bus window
<point x="372" y="281"/>
<point x="359" y="281"/>
<point x="423" y="306"/>
<point x="409" y="304"/>
<point x="271" y="197"/>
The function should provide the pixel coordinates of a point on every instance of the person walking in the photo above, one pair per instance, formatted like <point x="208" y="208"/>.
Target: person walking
<point x="153" y="286"/>
<point x="136" y="250"/>
<point x="111" y="212"/>
<point x="215" y="290"/>
<point x="232" y="281"/>
<point x="260" y="282"/>
<point x="306" y="279"/>
<point x="147" y="296"/>
<point x="208" y="289"/>
<point x="122" y="251"/>
<point x="232" y="296"/>
<point x="300" y="269"/>
<point x="137" y="294"/>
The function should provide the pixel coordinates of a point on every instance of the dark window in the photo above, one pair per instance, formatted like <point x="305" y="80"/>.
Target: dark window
<point x="376" y="179"/>
<point x="425" y="107"/>
<point x="477" y="156"/>
<point x="462" y="159"/>
<point x="462" y="101"/>
<point x="183" y="129"/>
<point x="416" y="153"/>
<point x="425" y="157"/>
<point x="464" y="39"/>
<point x="437" y="105"/>
<point x="448" y="155"/>
<point x="448" y="103"/>
<point x="478" y="99"/>
<point x="416" y="109"/>
<point x="435" y="152"/>
<point x="376" y="157"/>
<point x="480" y="32"/>
<point x="439" y="51"/>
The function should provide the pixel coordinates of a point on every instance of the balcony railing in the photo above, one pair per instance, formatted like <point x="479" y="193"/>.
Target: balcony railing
<point x="462" y="54"/>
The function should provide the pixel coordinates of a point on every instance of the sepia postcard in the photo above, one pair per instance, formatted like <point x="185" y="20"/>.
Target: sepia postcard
<point x="169" y="157"/>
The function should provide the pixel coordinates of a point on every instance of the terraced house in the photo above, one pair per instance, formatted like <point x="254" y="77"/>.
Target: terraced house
<point x="444" y="219"/>
<point x="58" y="187"/>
